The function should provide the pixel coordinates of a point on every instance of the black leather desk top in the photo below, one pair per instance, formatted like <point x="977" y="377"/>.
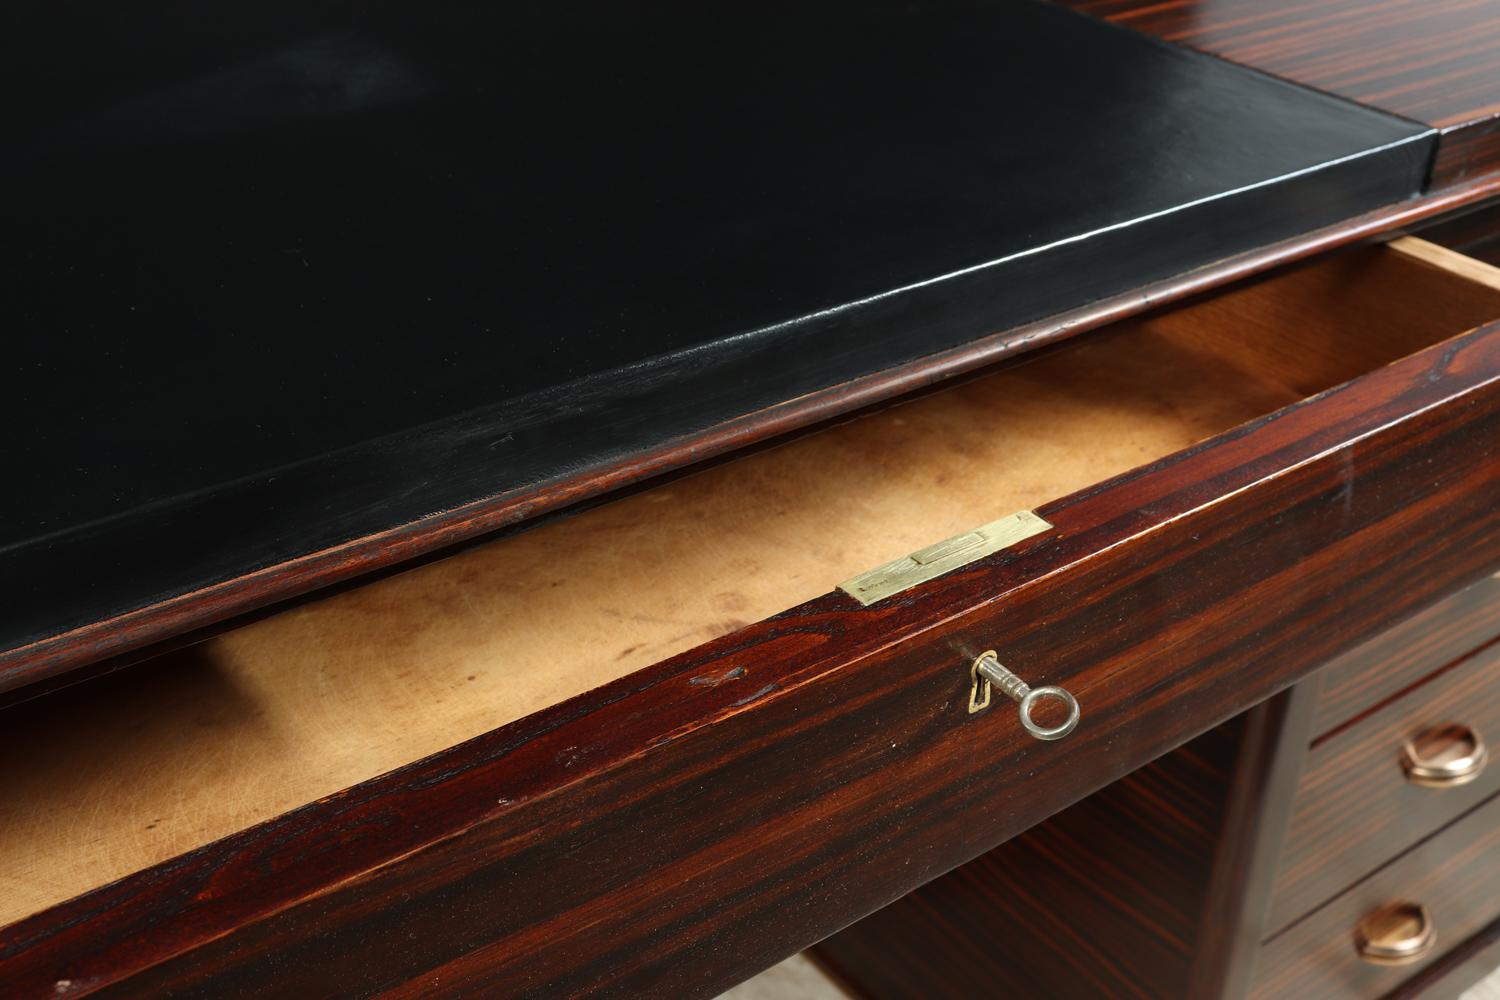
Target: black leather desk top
<point x="281" y="275"/>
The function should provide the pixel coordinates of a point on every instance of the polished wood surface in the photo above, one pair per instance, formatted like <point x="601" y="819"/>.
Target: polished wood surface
<point x="1061" y="911"/>
<point x="1167" y="904"/>
<point x="682" y="827"/>
<point x="1476" y="958"/>
<point x="1272" y="753"/>
<point x="1365" y="678"/>
<point x="1355" y="809"/>
<point x="1432" y="61"/>
<point x="290" y="709"/>
<point x="1453" y="874"/>
<point x="1465" y="151"/>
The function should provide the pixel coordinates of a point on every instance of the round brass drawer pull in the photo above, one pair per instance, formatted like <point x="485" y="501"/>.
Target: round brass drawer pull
<point x="987" y="671"/>
<point x="1397" y="934"/>
<point x="1444" y="757"/>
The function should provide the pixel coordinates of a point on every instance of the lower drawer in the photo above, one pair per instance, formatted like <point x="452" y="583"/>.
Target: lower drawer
<point x="1451" y="877"/>
<point x="1357" y="806"/>
<point x="1361" y="679"/>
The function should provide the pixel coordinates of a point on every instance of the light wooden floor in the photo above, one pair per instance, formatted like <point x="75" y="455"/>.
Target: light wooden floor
<point x="798" y="978"/>
<point x="1487" y="988"/>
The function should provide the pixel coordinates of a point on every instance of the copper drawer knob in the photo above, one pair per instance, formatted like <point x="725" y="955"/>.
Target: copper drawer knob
<point x="987" y="672"/>
<point x="1397" y="934"/>
<point x="1444" y="757"/>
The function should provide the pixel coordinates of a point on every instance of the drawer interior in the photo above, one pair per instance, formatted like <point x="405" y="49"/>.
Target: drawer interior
<point x="126" y="771"/>
<point x="1474" y="233"/>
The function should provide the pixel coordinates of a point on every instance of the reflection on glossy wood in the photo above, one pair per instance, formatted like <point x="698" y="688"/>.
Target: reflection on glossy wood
<point x="1355" y="808"/>
<point x="1063" y="911"/>
<point x="1272" y="754"/>
<point x="1453" y="874"/>
<point x="1472" y="967"/>
<point x="1365" y="678"/>
<point x="1152" y="887"/>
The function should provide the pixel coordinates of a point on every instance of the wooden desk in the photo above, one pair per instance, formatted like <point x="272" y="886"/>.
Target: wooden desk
<point x="653" y="745"/>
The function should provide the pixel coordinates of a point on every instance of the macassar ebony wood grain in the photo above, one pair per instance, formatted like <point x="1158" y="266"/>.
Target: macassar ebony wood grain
<point x="1432" y="61"/>
<point x="1466" y="150"/>
<point x="1168" y="904"/>
<point x="1061" y="911"/>
<point x="1231" y="921"/>
<point x="680" y="828"/>
<point x="1459" y="968"/>
<point x="1354" y="807"/>
<point x="1364" y="678"/>
<point x="1452" y="873"/>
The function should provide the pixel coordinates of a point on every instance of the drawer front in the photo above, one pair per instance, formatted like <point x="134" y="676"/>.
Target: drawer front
<point x="1433" y="638"/>
<point x="1473" y="965"/>
<point x="672" y="832"/>
<point x="1453" y="875"/>
<point x="1356" y="807"/>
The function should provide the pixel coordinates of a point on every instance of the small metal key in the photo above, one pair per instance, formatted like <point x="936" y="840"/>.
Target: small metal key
<point x="988" y="671"/>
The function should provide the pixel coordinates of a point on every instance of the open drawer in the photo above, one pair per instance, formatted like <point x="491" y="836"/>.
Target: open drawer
<point x="602" y="756"/>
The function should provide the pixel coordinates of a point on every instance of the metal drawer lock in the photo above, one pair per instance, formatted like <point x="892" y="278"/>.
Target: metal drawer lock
<point x="987" y="672"/>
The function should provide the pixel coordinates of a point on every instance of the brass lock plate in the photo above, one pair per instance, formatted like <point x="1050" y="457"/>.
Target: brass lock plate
<point x="943" y="557"/>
